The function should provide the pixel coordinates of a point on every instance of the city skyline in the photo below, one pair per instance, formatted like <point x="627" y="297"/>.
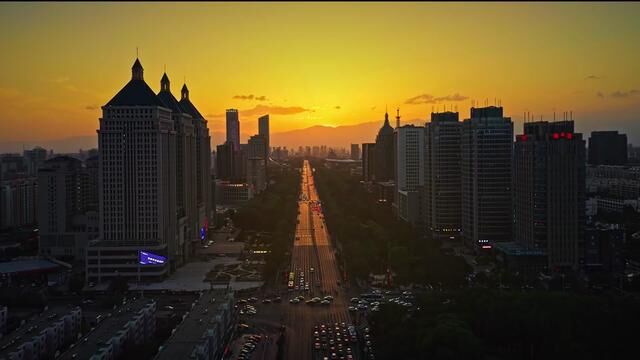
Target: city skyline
<point x="581" y="61"/>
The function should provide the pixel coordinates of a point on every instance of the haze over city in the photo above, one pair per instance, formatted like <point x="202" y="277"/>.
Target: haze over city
<point x="343" y="64"/>
<point x="319" y="181"/>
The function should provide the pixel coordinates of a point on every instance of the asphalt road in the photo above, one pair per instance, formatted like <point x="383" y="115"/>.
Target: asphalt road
<point x="312" y="249"/>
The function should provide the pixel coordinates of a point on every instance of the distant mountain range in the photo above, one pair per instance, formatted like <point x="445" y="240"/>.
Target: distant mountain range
<point x="339" y="136"/>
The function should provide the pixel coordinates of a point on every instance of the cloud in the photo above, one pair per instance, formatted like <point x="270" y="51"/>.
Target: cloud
<point x="430" y="99"/>
<point x="266" y="109"/>
<point x="373" y="108"/>
<point x="251" y="97"/>
<point x="592" y="77"/>
<point x="92" y="107"/>
<point x="338" y="107"/>
<point x="276" y="110"/>
<point x="624" y="94"/>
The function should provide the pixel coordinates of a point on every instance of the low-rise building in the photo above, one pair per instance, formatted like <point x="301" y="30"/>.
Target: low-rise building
<point x="42" y="336"/>
<point x="204" y="330"/>
<point x="132" y="325"/>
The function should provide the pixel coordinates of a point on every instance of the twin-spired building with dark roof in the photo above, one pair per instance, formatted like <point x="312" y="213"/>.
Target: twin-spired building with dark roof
<point x="154" y="181"/>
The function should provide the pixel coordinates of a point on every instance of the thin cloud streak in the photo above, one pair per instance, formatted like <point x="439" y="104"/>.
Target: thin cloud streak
<point x="430" y="99"/>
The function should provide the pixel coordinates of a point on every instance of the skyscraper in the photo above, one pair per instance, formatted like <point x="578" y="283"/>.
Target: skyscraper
<point x="185" y="127"/>
<point x="549" y="191"/>
<point x="67" y="217"/>
<point x="355" y="152"/>
<point x="486" y="149"/>
<point x="224" y="161"/>
<point x="385" y="166"/>
<point x="368" y="162"/>
<point x="442" y="198"/>
<point x="233" y="128"/>
<point x="136" y="141"/>
<point x="607" y="148"/>
<point x="203" y="164"/>
<point x="263" y="130"/>
<point x="257" y="163"/>
<point x="410" y="172"/>
<point x="150" y="147"/>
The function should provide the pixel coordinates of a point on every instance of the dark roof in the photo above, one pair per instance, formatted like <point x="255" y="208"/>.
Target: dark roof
<point x="386" y="128"/>
<point x="170" y="101"/>
<point x="136" y="92"/>
<point x="190" y="109"/>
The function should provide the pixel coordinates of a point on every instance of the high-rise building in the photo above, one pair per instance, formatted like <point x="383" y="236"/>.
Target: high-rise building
<point x="136" y="141"/>
<point x="355" y="152"/>
<point x="202" y="164"/>
<point x="549" y="191"/>
<point x="486" y="150"/>
<point x="368" y="162"/>
<point x="224" y="161"/>
<point x="233" y="128"/>
<point x="607" y="148"/>
<point x="409" y="177"/>
<point x="442" y="184"/>
<point x="185" y="127"/>
<point x="263" y="130"/>
<point x="154" y="180"/>
<point x="257" y="163"/>
<point x="18" y="202"/>
<point x="67" y="214"/>
<point x="34" y="159"/>
<point x="240" y="164"/>
<point x="385" y="167"/>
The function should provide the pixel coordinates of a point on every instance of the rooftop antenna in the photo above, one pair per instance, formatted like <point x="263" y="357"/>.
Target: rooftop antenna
<point x="571" y="115"/>
<point x="554" y="114"/>
<point x="136" y="52"/>
<point x="397" y="117"/>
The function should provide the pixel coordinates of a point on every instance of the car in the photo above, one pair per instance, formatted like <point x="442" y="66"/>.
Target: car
<point x="309" y="302"/>
<point x="277" y="299"/>
<point x="352" y="309"/>
<point x="330" y="298"/>
<point x="169" y="307"/>
<point x="294" y="301"/>
<point x="266" y="301"/>
<point x="316" y="346"/>
<point x="253" y="299"/>
<point x="354" y="300"/>
<point x="325" y="302"/>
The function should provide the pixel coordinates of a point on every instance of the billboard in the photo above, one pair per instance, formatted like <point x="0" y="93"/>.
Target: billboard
<point x="147" y="258"/>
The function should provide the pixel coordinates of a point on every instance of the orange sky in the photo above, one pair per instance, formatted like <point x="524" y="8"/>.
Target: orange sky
<point x="320" y="63"/>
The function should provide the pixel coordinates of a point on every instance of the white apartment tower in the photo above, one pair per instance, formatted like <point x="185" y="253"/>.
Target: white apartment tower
<point x="409" y="172"/>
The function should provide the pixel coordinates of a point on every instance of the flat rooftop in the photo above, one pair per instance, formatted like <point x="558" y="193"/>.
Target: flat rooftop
<point x="31" y="327"/>
<point x="27" y="266"/>
<point x="515" y="249"/>
<point x="189" y="333"/>
<point x="93" y="341"/>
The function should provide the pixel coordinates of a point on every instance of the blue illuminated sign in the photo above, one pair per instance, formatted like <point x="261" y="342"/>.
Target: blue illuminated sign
<point x="147" y="258"/>
<point x="203" y="233"/>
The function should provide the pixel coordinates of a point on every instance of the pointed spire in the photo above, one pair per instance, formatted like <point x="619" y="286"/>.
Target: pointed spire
<point x="165" y="83"/>
<point x="386" y="118"/>
<point x="137" y="71"/>
<point x="185" y="92"/>
<point x="397" y="117"/>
